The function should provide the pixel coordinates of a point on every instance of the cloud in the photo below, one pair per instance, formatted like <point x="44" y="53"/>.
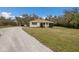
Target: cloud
<point x="7" y="15"/>
<point x="12" y="17"/>
<point x="21" y="16"/>
<point x="44" y="17"/>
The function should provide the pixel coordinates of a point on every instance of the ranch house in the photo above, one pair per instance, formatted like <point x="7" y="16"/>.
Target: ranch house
<point x="40" y="23"/>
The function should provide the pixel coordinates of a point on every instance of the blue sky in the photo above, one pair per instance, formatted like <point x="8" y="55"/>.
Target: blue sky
<point x="40" y="11"/>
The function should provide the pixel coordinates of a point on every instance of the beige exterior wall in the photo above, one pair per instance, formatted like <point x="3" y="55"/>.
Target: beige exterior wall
<point x="46" y="25"/>
<point x="38" y="24"/>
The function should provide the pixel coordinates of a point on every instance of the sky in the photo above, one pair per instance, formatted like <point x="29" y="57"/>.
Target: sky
<point x="40" y="11"/>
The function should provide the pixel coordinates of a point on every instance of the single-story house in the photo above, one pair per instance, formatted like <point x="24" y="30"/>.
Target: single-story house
<point x="40" y="23"/>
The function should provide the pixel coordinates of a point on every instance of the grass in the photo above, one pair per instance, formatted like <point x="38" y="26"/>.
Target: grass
<point x="6" y="26"/>
<point x="57" y="38"/>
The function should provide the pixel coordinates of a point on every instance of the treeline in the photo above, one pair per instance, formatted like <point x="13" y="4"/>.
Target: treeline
<point x="18" y="21"/>
<point x="25" y="18"/>
<point x="69" y="19"/>
<point x="7" y="22"/>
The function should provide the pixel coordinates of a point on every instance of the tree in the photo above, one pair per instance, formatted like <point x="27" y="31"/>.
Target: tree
<point x="70" y="16"/>
<point x="19" y="21"/>
<point x="34" y="16"/>
<point x="75" y="21"/>
<point x="6" y="22"/>
<point x="26" y="19"/>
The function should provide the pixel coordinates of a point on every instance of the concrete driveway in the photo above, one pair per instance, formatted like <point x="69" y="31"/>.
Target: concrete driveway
<point x="14" y="39"/>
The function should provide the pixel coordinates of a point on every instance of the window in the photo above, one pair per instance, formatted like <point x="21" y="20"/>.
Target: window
<point x="34" y="23"/>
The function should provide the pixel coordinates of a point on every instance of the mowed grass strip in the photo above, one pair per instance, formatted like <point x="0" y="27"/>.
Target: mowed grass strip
<point x="6" y="26"/>
<point x="57" y="38"/>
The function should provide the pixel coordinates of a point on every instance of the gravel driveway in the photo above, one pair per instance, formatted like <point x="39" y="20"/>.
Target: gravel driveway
<point x="14" y="39"/>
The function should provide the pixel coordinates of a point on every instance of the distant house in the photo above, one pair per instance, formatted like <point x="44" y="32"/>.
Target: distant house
<point x="40" y="23"/>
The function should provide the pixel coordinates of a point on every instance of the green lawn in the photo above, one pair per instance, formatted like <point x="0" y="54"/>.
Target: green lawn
<point x="57" y="38"/>
<point x="6" y="26"/>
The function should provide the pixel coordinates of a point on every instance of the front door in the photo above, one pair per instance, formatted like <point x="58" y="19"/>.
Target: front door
<point x="42" y="24"/>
